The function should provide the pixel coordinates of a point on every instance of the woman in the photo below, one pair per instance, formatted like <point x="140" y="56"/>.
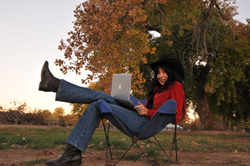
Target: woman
<point x="166" y="84"/>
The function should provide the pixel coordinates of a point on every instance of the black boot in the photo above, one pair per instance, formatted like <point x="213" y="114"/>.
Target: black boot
<point x="71" y="156"/>
<point x="48" y="82"/>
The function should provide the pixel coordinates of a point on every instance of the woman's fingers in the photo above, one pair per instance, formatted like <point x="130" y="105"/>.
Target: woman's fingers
<point x="140" y="103"/>
<point x="141" y="109"/>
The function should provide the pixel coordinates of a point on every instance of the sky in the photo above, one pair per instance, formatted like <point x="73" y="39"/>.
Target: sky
<point x="30" y="33"/>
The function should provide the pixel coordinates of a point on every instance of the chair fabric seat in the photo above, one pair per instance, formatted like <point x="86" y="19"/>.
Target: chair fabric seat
<point x="165" y="115"/>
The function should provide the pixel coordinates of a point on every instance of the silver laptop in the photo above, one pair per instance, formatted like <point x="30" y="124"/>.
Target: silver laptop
<point x="120" y="91"/>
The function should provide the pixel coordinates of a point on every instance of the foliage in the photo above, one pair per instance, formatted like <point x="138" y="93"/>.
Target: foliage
<point x="59" y="111"/>
<point x="229" y="69"/>
<point x="108" y="38"/>
<point x="79" y="108"/>
<point x="20" y="113"/>
<point x="113" y="37"/>
<point x="15" y="114"/>
<point x="229" y="77"/>
<point x="208" y="44"/>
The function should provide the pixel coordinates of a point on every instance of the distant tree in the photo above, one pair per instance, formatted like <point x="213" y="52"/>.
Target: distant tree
<point x="78" y="108"/>
<point x="70" y="120"/>
<point x="41" y="116"/>
<point x="18" y="114"/>
<point x="46" y="113"/>
<point x="15" y="114"/>
<point x="59" y="111"/>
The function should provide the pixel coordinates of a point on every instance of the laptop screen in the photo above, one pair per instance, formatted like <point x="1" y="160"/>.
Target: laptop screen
<point x="121" y="84"/>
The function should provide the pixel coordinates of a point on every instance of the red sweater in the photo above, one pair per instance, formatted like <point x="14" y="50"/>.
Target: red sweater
<point x="174" y="91"/>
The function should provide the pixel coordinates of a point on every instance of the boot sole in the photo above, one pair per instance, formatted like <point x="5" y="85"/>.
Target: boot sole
<point x="71" y="164"/>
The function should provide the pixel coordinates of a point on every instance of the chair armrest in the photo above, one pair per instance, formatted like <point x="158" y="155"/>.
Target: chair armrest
<point x="135" y="100"/>
<point x="169" y="107"/>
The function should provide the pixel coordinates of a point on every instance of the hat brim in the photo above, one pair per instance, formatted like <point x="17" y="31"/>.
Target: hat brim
<point x="170" y="62"/>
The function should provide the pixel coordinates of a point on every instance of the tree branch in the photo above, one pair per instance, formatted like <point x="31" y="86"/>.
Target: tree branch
<point x="220" y="12"/>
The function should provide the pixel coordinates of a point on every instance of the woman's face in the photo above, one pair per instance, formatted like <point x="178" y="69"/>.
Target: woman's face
<point x="162" y="76"/>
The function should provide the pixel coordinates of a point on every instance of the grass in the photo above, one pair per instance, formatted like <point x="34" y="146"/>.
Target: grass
<point x="39" y="138"/>
<point x="33" y="138"/>
<point x="34" y="162"/>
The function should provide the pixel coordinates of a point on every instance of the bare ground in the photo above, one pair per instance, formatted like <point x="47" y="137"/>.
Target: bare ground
<point x="18" y="157"/>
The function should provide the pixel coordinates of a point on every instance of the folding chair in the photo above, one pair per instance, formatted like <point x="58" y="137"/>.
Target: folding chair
<point x="165" y="115"/>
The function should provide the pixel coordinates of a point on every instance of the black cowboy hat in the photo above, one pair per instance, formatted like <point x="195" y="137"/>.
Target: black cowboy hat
<point x="170" y="62"/>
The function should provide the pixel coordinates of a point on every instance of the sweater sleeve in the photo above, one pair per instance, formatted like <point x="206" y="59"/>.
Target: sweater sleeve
<point x="177" y="93"/>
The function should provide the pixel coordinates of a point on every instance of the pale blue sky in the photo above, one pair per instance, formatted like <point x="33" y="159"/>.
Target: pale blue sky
<point x="30" y="32"/>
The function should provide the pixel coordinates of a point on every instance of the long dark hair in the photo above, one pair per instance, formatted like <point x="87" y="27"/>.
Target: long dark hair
<point x="173" y="76"/>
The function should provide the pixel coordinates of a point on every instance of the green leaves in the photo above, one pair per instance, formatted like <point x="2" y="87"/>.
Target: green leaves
<point x="228" y="70"/>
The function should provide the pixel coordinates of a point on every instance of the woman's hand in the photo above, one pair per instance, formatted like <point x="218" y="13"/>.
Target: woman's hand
<point x="141" y="109"/>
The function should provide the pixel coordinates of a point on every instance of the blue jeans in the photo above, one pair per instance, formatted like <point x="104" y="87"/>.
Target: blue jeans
<point x="85" y="127"/>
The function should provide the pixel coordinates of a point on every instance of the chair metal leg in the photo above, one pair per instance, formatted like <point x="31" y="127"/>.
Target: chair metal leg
<point x="161" y="147"/>
<point x="135" y="139"/>
<point x="124" y="153"/>
<point x="144" y="154"/>
<point x="175" y="141"/>
<point x="106" y="131"/>
<point x="108" y="142"/>
<point x="174" y="145"/>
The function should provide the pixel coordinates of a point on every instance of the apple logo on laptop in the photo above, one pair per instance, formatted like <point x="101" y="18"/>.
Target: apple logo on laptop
<point x="120" y="86"/>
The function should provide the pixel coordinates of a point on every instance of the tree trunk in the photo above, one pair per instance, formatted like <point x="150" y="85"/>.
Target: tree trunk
<point x="208" y="119"/>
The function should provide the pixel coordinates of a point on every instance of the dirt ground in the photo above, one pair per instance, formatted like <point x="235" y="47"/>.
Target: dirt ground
<point x="17" y="157"/>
